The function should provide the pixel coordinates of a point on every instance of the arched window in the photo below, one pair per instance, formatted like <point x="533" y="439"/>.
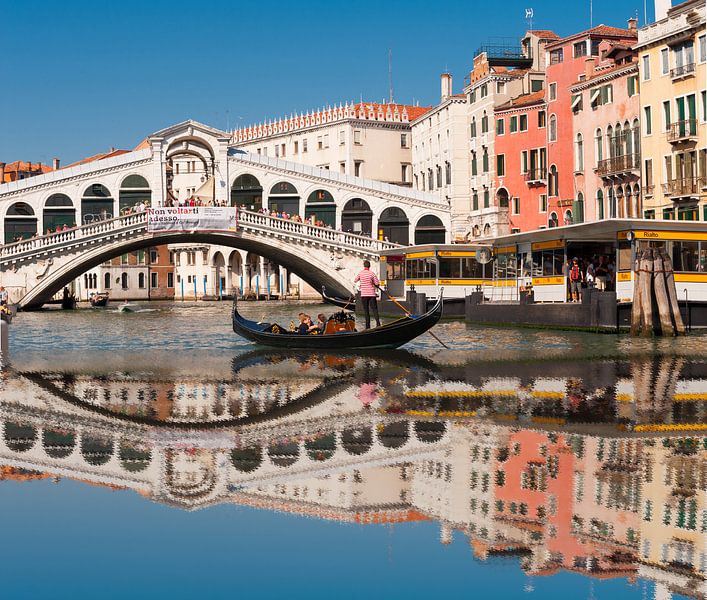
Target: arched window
<point x="284" y="198"/>
<point x="553" y="128"/>
<point x="393" y="225"/>
<point x="610" y="141"/>
<point x="20" y="222"/>
<point x="439" y="176"/>
<point x="485" y="161"/>
<point x="553" y="222"/>
<point x="430" y="230"/>
<point x="553" y="181"/>
<point x="476" y="232"/>
<point x="485" y="123"/>
<point x="598" y="146"/>
<point x="579" y="153"/>
<point x="612" y="204"/>
<point x="600" y="205"/>
<point x="106" y="281"/>
<point x="134" y="190"/>
<point x="96" y="203"/>
<point x="448" y="172"/>
<point x="124" y="281"/>
<point x="58" y="211"/>
<point x="568" y="217"/>
<point x="357" y="217"/>
<point x="474" y="164"/>
<point x="247" y="192"/>
<point x="487" y="230"/>
<point x="473" y="127"/>
<point x="320" y="205"/>
<point x="636" y="135"/>
<point x="430" y="181"/>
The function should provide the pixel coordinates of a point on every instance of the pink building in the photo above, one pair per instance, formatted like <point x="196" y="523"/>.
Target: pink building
<point x="605" y="125"/>
<point x="567" y="58"/>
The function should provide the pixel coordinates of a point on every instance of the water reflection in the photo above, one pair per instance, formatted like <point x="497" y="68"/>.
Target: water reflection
<point x="597" y="468"/>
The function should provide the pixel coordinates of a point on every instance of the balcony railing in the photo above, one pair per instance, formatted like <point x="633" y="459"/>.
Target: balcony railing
<point x="536" y="176"/>
<point x="681" y="131"/>
<point x="682" y="71"/>
<point x="647" y="190"/>
<point x="618" y="164"/>
<point x="685" y="186"/>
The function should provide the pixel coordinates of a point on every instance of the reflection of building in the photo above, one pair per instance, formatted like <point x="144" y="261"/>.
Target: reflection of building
<point x="576" y="489"/>
<point x="672" y="53"/>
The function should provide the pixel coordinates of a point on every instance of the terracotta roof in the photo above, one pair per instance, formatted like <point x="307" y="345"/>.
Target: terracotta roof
<point x="413" y="111"/>
<point x="524" y="100"/>
<point x="545" y="34"/>
<point x="20" y="165"/>
<point x="95" y="157"/>
<point x="598" y="31"/>
<point x="142" y="145"/>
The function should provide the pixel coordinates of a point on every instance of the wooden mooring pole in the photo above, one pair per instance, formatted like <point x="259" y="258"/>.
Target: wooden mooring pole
<point x="654" y="290"/>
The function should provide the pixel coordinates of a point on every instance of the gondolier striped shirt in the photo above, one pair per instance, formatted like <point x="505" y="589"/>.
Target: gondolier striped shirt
<point x="369" y="282"/>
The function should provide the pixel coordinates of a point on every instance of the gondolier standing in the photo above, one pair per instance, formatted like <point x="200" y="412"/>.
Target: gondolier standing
<point x="369" y="282"/>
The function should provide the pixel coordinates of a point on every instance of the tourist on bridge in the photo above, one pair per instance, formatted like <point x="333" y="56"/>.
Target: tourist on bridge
<point x="369" y="283"/>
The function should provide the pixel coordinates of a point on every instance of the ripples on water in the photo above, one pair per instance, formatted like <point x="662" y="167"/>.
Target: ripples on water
<point x="521" y="463"/>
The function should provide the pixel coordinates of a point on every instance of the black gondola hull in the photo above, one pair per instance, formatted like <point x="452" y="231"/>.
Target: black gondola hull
<point x="392" y="335"/>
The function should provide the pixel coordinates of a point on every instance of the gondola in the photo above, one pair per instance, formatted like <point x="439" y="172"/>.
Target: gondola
<point x="99" y="300"/>
<point x="340" y="302"/>
<point x="390" y="335"/>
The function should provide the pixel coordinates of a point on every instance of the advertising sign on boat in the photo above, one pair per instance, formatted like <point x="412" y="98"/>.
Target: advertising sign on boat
<point x="192" y="218"/>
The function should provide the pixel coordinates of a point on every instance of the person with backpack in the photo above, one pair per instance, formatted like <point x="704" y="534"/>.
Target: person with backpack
<point x="576" y="278"/>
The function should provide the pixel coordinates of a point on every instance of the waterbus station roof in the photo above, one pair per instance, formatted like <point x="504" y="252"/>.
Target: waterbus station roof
<point x="597" y="231"/>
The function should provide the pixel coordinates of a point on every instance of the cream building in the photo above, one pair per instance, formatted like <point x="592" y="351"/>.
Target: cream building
<point x="440" y="156"/>
<point x="672" y="55"/>
<point x="364" y="140"/>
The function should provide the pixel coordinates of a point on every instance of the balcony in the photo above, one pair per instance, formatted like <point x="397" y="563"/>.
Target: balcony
<point x="505" y="52"/>
<point x="682" y="131"/>
<point x="683" y="71"/>
<point x="618" y="165"/>
<point x="536" y="177"/>
<point x="684" y="187"/>
<point x="647" y="191"/>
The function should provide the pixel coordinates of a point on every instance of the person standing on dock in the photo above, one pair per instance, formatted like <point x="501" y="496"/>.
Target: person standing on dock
<point x="369" y="283"/>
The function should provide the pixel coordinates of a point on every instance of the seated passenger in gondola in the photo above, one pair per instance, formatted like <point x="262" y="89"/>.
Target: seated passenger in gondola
<point x="321" y="323"/>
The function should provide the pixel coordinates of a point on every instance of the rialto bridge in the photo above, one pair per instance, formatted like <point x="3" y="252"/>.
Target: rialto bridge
<point x="95" y="200"/>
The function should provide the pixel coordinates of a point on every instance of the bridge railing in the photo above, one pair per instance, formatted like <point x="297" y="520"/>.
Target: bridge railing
<point x="60" y="238"/>
<point x="245" y="218"/>
<point x="341" y="238"/>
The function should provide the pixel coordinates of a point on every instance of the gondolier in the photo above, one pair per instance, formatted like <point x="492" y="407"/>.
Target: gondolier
<point x="369" y="284"/>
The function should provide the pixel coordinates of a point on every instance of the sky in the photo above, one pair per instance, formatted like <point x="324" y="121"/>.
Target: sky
<point x="71" y="540"/>
<point x="80" y="77"/>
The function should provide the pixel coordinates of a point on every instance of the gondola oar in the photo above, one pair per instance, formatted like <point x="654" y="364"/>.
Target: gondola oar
<point x="409" y="314"/>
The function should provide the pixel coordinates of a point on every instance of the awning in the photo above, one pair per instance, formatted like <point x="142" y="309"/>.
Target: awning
<point x="576" y="101"/>
<point x="594" y="95"/>
<point x="207" y="191"/>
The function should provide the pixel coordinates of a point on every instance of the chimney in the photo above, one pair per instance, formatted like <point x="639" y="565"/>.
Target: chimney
<point x="446" y="85"/>
<point x="2" y="172"/>
<point x="633" y="24"/>
<point x="589" y="67"/>
<point x="661" y="9"/>
<point x="55" y="163"/>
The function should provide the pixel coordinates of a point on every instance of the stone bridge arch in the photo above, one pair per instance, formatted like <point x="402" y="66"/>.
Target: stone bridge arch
<point x="313" y="265"/>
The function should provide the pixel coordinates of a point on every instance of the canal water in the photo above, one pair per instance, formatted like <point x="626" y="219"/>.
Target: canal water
<point x="156" y="454"/>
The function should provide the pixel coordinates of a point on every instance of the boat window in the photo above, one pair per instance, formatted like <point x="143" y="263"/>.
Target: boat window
<point x="505" y="266"/>
<point x="548" y="263"/>
<point x="421" y="268"/>
<point x="687" y="256"/>
<point x="471" y="269"/>
<point x="450" y="268"/>
<point x="624" y="263"/>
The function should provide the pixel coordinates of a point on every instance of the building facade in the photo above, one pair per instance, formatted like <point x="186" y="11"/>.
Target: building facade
<point x="566" y="63"/>
<point x="606" y="131"/>
<point x="672" y="54"/>
<point x="521" y="160"/>
<point x="363" y="140"/>
<point x="440" y="155"/>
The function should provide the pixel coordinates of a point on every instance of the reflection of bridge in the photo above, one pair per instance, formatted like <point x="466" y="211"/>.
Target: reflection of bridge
<point x="93" y="192"/>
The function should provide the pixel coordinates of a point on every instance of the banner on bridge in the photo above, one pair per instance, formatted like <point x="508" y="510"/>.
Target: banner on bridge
<point x="192" y="218"/>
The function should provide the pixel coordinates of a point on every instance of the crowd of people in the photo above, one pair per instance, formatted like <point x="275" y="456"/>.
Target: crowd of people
<point x="596" y="272"/>
<point x="193" y="201"/>
<point x="311" y="220"/>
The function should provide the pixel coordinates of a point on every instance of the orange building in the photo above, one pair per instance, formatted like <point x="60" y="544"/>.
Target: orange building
<point x="17" y="170"/>
<point x="521" y="160"/>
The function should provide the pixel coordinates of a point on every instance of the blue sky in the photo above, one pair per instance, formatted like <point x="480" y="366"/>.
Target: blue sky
<point x="76" y="541"/>
<point x="79" y="77"/>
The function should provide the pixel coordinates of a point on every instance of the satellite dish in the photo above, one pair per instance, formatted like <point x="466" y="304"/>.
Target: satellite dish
<point x="483" y="255"/>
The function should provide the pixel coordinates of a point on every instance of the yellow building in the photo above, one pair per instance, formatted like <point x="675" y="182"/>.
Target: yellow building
<point x="673" y="62"/>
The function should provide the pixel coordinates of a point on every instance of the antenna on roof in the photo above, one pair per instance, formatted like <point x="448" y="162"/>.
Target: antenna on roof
<point x="591" y="14"/>
<point x="390" y="75"/>
<point x="529" y="17"/>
